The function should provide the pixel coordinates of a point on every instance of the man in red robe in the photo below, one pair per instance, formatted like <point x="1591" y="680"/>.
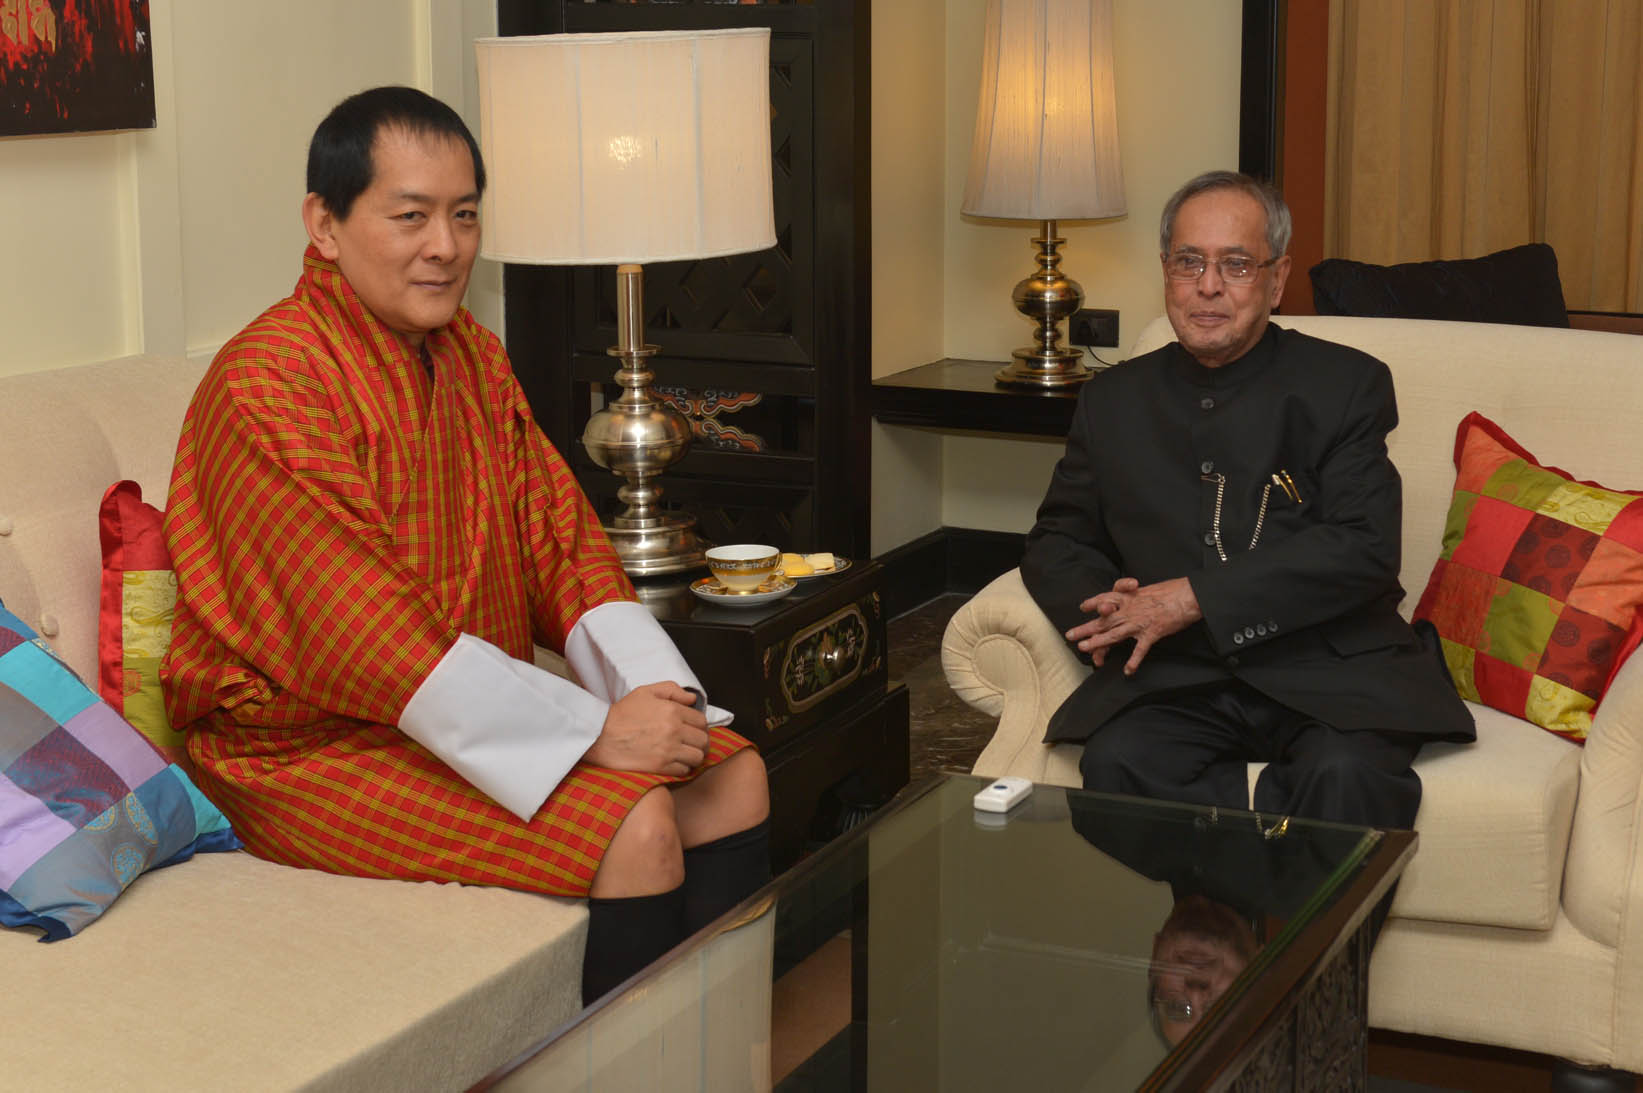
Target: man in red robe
<point x="370" y="533"/>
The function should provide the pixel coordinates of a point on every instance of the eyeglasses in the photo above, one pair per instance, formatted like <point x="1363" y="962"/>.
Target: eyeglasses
<point x="1237" y="269"/>
<point x="1177" y="1011"/>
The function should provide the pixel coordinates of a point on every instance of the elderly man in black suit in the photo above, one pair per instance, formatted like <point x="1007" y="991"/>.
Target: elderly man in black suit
<point x="1221" y="538"/>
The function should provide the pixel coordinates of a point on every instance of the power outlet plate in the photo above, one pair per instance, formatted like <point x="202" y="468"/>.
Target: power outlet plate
<point x="1094" y="327"/>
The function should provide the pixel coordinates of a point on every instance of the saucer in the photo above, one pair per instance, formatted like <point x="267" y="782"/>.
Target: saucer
<point x="839" y="566"/>
<point x="709" y="589"/>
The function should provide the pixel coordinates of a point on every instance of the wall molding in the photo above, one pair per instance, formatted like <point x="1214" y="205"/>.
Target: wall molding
<point x="947" y="560"/>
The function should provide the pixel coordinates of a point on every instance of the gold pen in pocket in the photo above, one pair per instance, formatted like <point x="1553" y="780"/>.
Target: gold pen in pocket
<point x="1281" y="479"/>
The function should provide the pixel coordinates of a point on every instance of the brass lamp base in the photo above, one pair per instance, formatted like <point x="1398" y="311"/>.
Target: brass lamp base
<point x="1034" y="369"/>
<point x="638" y="437"/>
<point x="668" y="545"/>
<point x="1046" y="298"/>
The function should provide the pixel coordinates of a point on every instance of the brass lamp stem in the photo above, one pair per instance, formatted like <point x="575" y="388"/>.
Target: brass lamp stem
<point x="1046" y="298"/>
<point x="638" y="437"/>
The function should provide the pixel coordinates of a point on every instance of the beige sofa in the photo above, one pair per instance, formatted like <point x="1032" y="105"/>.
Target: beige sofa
<point x="229" y="972"/>
<point x="1520" y="921"/>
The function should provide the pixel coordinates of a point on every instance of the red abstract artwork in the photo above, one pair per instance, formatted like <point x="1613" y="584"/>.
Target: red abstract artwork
<point x="75" y="66"/>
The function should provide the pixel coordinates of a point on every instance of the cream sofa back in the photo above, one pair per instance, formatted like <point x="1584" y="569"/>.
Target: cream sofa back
<point x="65" y="437"/>
<point x="1572" y="398"/>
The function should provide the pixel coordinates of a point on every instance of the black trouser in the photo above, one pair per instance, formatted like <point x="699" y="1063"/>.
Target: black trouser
<point x="1194" y="746"/>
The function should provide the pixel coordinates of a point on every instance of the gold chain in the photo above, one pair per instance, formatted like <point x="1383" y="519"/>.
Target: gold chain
<point x="1278" y="830"/>
<point x="1220" y="481"/>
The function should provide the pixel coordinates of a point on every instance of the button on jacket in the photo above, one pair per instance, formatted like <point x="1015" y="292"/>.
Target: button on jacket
<point x="1158" y="444"/>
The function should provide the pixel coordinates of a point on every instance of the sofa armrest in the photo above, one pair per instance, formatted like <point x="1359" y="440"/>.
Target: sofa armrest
<point x="1004" y="657"/>
<point x="1603" y="874"/>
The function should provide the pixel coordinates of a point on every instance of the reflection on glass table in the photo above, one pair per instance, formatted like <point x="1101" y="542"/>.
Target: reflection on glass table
<point x="1080" y="942"/>
<point x="1196" y="954"/>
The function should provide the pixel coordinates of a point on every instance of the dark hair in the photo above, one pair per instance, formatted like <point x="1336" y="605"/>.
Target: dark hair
<point x="1277" y="213"/>
<point x="339" y="155"/>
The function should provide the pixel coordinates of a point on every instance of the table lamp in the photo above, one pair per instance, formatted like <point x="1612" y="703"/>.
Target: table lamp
<point x="1046" y="149"/>
<point x="621" y="149"/>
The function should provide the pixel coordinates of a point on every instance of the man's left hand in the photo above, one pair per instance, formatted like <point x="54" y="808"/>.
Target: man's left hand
<point x="1146" y="613"/>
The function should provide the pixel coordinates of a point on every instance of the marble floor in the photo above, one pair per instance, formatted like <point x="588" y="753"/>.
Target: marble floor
<point x="946" y="734"/>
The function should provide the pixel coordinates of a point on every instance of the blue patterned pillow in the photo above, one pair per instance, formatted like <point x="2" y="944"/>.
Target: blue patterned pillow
<point x="86" y="803"/>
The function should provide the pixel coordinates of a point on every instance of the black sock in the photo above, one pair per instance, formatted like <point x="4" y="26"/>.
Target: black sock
<point x="626" y="934"/>
<point x="720" y="873"/>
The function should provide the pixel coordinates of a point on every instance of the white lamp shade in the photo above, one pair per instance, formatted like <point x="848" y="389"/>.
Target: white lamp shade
<point x="1046" y="136"/>
<point x="626" y="147"/>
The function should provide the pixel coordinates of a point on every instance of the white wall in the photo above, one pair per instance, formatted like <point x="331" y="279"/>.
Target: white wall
<point x="909" y="217"/>
<point x="168" y="240"/>
<point x="1177" y="70"/>
<point x="68" y="261"/>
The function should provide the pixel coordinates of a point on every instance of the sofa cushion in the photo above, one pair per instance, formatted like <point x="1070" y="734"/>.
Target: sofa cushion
<point x="1494" y="826"/>
<point x="86" y="804"/>
<point x="1494" y="823"/>
<point x="1519" y="285"/>
<point x="235" y="973"/>
<point x="1552" y="992"/>
<point x="139" y="594"/>
<point x="1538" y="591"/>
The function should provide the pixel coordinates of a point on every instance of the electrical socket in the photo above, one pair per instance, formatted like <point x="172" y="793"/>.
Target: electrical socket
<point x="1094" y="327"/>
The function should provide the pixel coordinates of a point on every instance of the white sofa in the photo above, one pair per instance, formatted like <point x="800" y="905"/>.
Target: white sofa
<point x="229" y="972"/>
<point x="1520" y="921"/>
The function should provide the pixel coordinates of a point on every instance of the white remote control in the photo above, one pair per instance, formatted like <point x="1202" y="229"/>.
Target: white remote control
<point x="1003" y="794"/>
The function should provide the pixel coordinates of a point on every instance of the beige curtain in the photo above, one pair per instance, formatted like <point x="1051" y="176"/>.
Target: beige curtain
<point x="1460" y="127"/>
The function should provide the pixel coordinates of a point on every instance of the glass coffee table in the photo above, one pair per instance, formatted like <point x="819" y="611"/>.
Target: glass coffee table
<point x="1080" y="942"/>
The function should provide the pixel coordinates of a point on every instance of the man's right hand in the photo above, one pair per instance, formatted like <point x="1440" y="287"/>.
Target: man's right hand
<point x="1144" y="612"/>
<point x="655" y="729"/>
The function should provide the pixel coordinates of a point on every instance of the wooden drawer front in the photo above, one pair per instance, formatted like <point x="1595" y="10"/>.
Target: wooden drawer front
<point x="824" y="658"/>
<point x="823" y="666"/>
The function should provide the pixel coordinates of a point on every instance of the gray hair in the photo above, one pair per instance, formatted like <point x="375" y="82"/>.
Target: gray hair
<point x="1278" y="224"/>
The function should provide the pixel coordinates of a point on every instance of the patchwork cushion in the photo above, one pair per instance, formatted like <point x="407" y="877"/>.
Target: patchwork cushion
<point x="139" y="594"/>
<point x="1538" y="591"/>
<point x="86" y="803"/>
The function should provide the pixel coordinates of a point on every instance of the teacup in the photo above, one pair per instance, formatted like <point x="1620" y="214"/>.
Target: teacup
<point x="743" y="567"/>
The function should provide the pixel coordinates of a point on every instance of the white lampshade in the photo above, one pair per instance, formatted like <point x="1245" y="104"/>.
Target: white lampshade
<point x="1046" y="136"/>
<point x="626" y="147"/>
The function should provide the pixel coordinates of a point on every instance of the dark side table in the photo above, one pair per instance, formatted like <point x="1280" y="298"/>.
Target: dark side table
<point x="963" y="396"/>
<point x="807" y="677"/>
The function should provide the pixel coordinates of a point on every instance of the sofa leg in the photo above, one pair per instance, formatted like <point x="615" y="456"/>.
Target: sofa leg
<point x="1570" y="1077"/>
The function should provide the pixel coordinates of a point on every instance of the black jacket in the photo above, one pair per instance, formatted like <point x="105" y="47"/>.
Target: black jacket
<point x="1309" y="615"/>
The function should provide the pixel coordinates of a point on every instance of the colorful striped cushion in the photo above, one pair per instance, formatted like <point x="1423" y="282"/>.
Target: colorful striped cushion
<point x="86" y="803"/>
<point x="139" y="596"/>
<point x="1538" y="593"/>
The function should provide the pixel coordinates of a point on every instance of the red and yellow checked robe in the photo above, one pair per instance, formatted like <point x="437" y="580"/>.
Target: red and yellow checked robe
<point x="340" y="512"/>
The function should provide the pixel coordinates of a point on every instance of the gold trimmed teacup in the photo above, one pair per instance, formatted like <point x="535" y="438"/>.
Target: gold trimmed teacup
<point x="743" y="567"/>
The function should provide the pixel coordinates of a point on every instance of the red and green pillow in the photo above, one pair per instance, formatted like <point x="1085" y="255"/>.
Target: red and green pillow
<point x="1538" y="593"/>
<point x="139" y="593"/>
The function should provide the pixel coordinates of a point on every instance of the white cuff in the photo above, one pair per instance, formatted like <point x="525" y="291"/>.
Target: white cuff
<point x="509" y="728"/>
<point x="619" y="645"/>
